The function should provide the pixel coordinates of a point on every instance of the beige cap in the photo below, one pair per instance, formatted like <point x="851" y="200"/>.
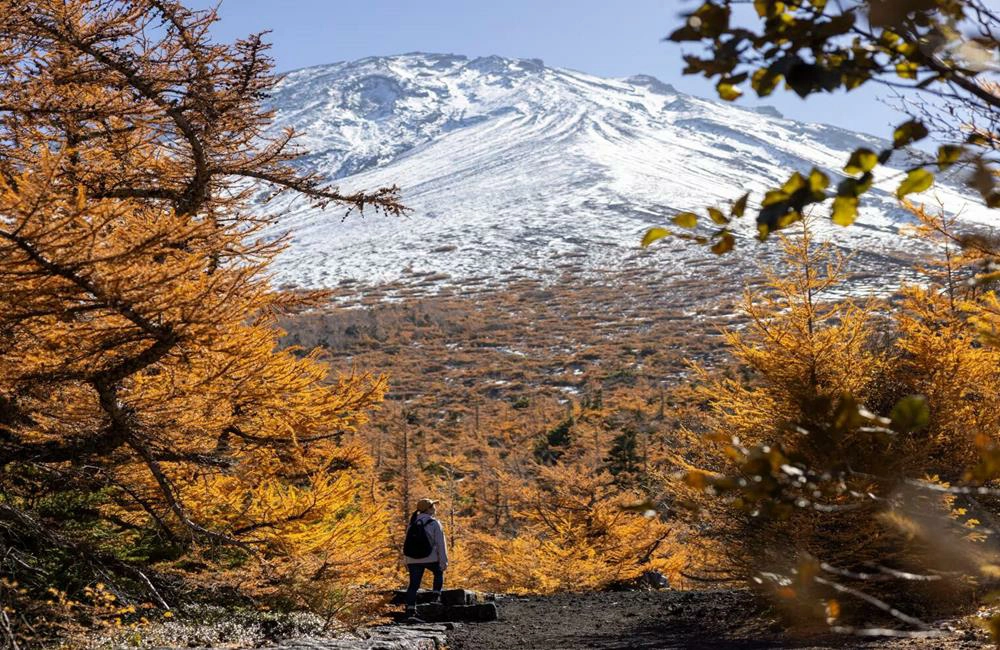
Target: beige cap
<point x="425" y="504"/>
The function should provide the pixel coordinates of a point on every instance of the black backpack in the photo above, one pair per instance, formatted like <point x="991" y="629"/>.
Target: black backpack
<point x="416" y="544"/>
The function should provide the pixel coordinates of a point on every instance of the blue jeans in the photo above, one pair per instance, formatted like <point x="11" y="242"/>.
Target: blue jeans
<point x="416" y="575"/>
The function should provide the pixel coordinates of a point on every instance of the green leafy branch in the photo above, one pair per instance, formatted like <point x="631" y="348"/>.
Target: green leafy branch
<point x="815" y="46"/>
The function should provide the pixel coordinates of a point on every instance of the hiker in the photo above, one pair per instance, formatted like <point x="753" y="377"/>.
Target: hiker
<point x="424" y="548"/>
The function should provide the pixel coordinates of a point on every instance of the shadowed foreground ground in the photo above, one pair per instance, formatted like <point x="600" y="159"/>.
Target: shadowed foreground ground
<point x="671" y="619"/>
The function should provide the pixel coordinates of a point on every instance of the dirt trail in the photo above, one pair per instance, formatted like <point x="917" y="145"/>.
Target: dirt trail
<point x="712" y="620"/>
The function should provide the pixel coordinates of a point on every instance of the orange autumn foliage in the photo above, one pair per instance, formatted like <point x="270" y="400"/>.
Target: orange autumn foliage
<point x="849" y="436"/>
<point x="148" y="415"/>
<point x="543" y="511"/>
<point x="570" y="529"/>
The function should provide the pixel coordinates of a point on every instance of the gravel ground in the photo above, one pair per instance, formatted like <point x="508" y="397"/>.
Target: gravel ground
<point x="712" y="620"/>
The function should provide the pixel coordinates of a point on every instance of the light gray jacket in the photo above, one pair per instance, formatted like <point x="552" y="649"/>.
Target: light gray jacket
<point x="439" y="548"/>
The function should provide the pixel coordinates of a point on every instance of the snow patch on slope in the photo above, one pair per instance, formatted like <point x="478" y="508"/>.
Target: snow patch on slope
<point x="515" y="169"/>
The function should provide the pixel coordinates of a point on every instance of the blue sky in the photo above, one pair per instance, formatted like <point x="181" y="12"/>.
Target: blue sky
<point x="613" y="39"/>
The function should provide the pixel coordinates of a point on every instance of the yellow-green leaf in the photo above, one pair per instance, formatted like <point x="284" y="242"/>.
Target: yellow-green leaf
<point x="845" y="210"/>
<point x="725" y="243"/>
<point x="768" y="8"/>
<point x="716" y="215"/>
<point x="772" y="197"/>
<point x="764" y="81"/>
<point x="654" y="234"/>
<point x="794" y="184"/>
<point x="909" y="132"/>
<point x="977" y="139"/>
<point x="686" y="220"/>
<point x="982" y="178"/>
<point x="856" y="186"/>
<point x="948" y="155"/>
<point x="889" y="37"/>
<point x="862" y="160"/>
<point x="789" y="218"/>
<point x="852" y="81"/>
<point x="910" y="413"/>
<point x="728" y="91"/>
<point x="740" y="206"/>
<point x="818" y="181"/>
<point x="916" y="180"/>
<point x="906" y="70"/>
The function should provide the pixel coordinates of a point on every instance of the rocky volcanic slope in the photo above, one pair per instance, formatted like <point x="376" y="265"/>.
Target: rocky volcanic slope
<point x="514" y="169"/>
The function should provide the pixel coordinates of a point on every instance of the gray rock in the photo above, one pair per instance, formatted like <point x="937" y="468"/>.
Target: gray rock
<point x="459" y="597"/>
<point x="446" y="597"/>
<point x="388" y="637"/>
<point x="655" y="579"/>
<point x="433" y="612"/>
<point x="465" y="613"/>
<point x="484" y="613"/>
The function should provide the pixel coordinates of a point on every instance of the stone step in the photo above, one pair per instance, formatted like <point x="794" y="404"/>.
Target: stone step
<point x="423" y="596"/>
<point x="458" y="597"/>
<point x="450" y="597"/>
<point x="438" y="613"/>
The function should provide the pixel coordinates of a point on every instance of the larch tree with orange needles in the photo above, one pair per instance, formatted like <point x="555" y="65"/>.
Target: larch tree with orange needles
<point x="543" y="511"/>
<point x="147" y="414"/>
<point x="571" y="528"/>
<point x="851" y="444"/>
<point x="804" y="357"/>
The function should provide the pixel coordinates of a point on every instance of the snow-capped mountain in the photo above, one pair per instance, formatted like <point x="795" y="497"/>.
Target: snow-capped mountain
<point x="514" y="168"/>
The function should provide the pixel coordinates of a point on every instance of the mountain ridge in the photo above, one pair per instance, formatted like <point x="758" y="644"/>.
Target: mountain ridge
<point x="514" y="168"/>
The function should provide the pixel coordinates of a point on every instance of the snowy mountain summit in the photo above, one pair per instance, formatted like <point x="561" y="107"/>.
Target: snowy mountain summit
<point x="513" y="168"/>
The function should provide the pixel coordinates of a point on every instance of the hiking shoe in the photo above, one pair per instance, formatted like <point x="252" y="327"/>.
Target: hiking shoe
<point x="411" y="617"/>
<point x="435" y="597"/>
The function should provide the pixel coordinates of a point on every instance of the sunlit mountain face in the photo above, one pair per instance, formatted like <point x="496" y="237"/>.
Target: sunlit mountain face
<point x="513" y="169"/>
